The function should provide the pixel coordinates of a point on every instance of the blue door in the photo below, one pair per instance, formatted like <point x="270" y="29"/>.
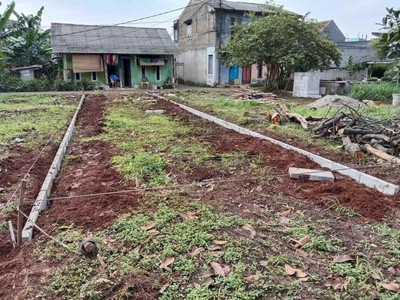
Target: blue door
<point x="233" y="72"/>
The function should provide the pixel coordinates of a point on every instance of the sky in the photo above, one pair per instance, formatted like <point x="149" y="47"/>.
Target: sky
<point x="354" y="18"/>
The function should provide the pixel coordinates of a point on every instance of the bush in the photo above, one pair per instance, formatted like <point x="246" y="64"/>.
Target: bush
<point x="11" y="82"/>
<point x="382" y="91"/>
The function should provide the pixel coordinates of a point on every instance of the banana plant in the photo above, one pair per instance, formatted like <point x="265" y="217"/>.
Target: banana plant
<point x="5" y="16"/>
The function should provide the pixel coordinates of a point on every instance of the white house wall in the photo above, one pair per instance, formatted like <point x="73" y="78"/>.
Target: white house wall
<point x="193" y="65"/>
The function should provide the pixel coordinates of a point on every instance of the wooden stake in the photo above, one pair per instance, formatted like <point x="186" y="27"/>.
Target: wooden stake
<point x="20" y="223"/>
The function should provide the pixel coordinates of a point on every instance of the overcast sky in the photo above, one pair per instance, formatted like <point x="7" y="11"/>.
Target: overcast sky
<point x="353" y="17"/>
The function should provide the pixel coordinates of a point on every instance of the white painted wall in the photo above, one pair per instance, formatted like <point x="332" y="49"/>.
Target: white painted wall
<point x="332" y="74"/>
<point x="194" y="66"/>
<point x="306" y="84"/>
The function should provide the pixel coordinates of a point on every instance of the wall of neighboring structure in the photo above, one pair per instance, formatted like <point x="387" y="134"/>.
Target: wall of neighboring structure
<point x="333" y="74"/>
<point x="254" y="73"/>
<point x="306" y="84"/>
<point x="192" y="57"/>
<point x="334" y="33"/>
<point x="358" y="50"/>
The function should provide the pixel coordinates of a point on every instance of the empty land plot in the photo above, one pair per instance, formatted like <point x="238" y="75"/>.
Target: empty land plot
<point x="212" y="218"/>
<point x="27" y="125"/>
<point x="252" y="114"/>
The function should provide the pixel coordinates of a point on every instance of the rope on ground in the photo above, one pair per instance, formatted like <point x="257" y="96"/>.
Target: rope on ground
<point x="48" y="235"/>
<point x="29" y="170"/>
<point x="196" y="184"/>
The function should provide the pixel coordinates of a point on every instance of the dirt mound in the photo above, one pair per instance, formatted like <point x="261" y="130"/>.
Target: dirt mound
<point x="336" y="101"/>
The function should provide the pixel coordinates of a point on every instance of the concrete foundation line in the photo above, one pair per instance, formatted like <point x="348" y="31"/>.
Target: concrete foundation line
<point x="365" y="179"/>
<point x="41" y="202"/>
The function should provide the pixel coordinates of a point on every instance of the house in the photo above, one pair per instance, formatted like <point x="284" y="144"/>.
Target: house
<point x="94" y="53"/>
<point x="358" y="49"/>
<point x="332" y="31"/>
<point x="200" y="30"/>
<point x="29" y="72"/>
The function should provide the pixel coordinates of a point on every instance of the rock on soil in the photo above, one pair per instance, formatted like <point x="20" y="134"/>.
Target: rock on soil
<point x="337" y="101"/>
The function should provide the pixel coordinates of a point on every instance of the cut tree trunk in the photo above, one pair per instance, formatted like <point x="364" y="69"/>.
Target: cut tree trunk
<point x="299" y="119"/>
<point x="383" y="155"/>
<point x="353" y="149"/>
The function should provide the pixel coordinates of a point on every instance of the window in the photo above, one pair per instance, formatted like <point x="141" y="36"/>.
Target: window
<point x="175" y="35"/>
<point x="260" y="70"/>
<point x="94" y="76"/>
<point x="233" y="21"/>
<point x="77" y="76"/>
<point x="143" y="71"/>
<point x="158" y="73"/>
<point x="189" y="29"/>
<point x="210" y="65"/>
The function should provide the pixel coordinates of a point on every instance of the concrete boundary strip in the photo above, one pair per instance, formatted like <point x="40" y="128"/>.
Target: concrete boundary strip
<point x="365" y="179"/>
<point x="41" y="202"/>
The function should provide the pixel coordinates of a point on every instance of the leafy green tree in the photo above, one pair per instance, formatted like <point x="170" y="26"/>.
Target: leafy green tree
<point x="388" y="45"/>
<point x="25" y="43"/>
<point x="282" y="42"/>
<point x="6" y="16"/>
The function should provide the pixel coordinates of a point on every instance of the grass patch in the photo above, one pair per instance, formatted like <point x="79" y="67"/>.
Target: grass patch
<point x="32" y="117"/>
<point x="382" y="91"/>
<point x="142" y="165"/>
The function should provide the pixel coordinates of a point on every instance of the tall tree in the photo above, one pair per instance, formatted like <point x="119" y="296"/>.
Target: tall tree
<point x="388" y="45"/>
<point x="282" y="42"/>
<point x="25" y="43"/>
<point x="6" y="16"/>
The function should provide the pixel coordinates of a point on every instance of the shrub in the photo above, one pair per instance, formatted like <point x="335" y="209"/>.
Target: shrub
<point x="382" y="91"/>
<point x="86" y="85"/>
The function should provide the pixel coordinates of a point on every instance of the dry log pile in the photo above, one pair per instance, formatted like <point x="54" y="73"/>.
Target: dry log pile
<point x="358" y="133"/>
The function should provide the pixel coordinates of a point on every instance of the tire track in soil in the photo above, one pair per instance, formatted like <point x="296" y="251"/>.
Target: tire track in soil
<point x="371" y="204"/>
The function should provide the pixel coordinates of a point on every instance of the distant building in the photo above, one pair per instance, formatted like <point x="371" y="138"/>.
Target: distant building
<point x="94" y="53"/>
<point x="359" y="49"/>
<point x="29" y="72"/>
<point x="199" y="32"/>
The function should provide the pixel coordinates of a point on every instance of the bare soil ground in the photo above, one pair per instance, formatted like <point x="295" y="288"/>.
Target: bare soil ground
<point x="258" y="197"/>
<point x="89" y="173"/>
<point x="370" y="165"/>
<point x="279" y="160"/>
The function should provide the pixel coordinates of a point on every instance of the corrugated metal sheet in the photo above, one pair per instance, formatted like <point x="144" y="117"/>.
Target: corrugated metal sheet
<point x="72" y="38"/>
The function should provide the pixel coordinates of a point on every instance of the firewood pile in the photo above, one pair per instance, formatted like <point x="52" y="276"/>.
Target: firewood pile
<point x="251" y="95"/>
<point x="358" y="133"/>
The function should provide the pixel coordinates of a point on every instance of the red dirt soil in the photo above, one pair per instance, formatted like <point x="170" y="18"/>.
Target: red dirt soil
<point x="91" y="173"/>
<point x="369" y="203"/>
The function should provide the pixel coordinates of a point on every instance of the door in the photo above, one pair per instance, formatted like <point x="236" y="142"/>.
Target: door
<point x="233" y="73"/>
<point x="246" y="78"/>
<point x="127" y="72"/>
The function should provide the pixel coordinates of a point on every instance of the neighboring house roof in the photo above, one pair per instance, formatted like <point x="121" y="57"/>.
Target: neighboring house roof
<point x="321" y="25"/>
<point x="240" y="6"/>
<point x="73" y="38"/>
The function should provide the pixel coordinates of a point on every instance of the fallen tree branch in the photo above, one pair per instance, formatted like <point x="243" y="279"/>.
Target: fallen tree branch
<point x="382" y="155"/>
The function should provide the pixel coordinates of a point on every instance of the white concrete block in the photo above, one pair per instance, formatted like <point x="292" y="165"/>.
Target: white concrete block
<point x="314" y="175"/>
